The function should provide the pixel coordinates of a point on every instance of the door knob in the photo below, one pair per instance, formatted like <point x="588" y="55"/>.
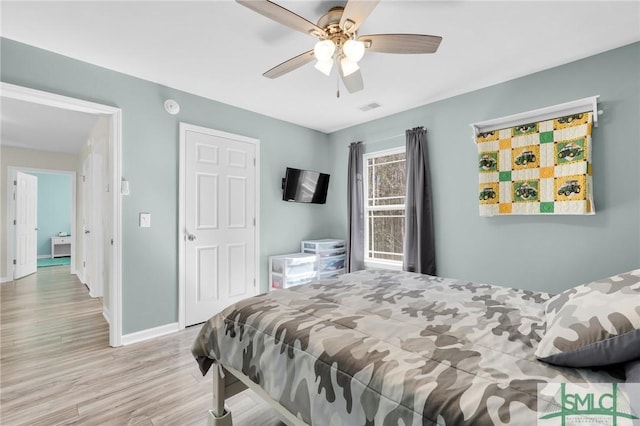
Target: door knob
<point x="191" y="237"/>
<point x="87" y="232"/>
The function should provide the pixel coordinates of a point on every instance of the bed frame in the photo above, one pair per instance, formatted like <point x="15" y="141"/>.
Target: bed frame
<point x="228" y="382"/>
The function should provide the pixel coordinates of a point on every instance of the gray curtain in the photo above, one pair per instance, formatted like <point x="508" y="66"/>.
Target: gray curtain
<point x="419" y="246"/>
<point x="355" y="209"/>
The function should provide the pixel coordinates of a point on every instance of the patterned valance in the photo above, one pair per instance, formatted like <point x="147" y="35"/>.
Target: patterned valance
<point x="537" y="168"/>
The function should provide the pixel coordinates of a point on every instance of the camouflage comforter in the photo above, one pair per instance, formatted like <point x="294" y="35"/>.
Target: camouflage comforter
<point x="391" y="348"/>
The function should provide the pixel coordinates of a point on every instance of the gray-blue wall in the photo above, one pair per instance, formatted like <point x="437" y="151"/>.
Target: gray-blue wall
<point x="54" y="208"/>
<point x="150" y="163"/>
<point x="549" y="253"/>
<point x="545" y="253"/>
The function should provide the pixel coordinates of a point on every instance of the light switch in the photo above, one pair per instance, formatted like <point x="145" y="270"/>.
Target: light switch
<point x="145" y="220"/>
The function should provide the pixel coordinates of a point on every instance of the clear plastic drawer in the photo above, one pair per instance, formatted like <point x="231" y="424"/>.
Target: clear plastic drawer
<point x="322" y="245"/>
<point x="326" y="264"/>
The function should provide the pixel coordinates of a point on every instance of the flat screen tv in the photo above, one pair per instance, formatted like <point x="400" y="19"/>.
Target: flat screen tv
<point x="305" y="186"/>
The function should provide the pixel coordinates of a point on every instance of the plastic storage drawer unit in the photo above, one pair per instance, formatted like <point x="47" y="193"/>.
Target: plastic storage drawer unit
<point x="293" y="269"/>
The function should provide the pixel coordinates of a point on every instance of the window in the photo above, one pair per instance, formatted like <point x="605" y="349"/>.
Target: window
<point x="384" y="187"/>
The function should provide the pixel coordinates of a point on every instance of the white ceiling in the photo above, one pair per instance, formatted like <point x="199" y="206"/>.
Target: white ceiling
<point x="33" y="126"/>
<point x="219" y="49"/>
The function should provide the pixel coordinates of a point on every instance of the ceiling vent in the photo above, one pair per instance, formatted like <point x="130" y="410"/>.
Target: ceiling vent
<point x="372" y="105"/>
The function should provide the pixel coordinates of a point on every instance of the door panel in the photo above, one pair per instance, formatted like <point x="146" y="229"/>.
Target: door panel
<point x="207" y="281"/>
<point x="207" y="199"/>
<point x="26" y="225"/>
<point x="220" y="233"/>
<point x="237" y="205"/>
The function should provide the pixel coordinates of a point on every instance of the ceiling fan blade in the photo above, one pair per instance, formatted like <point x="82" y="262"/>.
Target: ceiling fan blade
<point x="401" y="43"/>
<point x="354" y="14"/>
<point x="283" y="16"/>
<point x="290" y="65"/>
<point x="353" y="82"/>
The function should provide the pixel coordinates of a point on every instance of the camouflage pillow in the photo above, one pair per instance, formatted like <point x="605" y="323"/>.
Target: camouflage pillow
<point x="594" y="324"/>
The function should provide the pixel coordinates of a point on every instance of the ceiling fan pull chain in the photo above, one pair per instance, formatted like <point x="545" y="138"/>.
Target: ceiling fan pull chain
<point x="337" y="83"/>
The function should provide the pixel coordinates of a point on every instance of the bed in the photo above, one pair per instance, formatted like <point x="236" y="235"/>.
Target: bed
<point x="389" y="348"/>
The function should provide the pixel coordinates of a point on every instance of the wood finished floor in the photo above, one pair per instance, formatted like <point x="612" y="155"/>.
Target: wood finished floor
<point x="57" y="367"/>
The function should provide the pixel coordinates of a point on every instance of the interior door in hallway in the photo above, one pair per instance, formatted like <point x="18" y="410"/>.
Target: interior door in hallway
<point x="26" y="250"/>
<point x="220" y="222"/>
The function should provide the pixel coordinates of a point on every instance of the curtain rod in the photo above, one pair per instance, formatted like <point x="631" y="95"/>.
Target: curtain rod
<point x="383" y="139"/>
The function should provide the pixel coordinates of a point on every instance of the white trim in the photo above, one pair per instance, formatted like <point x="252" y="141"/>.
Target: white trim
<point x="115" y="149"/>
<point x="379" y="264"/>
<point x="45" y="256"/>
<point x="182" y="215"/>
<point x="150" y="333"/>
<point x="541" y="114"/>
<point x="11" y="205"/>
<point x="383" y="152"/>
<point x="5" y="280"/>
<point x="106" y="314"/>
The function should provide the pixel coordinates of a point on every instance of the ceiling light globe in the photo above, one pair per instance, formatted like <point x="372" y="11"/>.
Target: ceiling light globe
<point x="324" y="66"/>
<point x="324" y="49"/>
<point x="353" y="49"/>
<point x="348" y="66"/>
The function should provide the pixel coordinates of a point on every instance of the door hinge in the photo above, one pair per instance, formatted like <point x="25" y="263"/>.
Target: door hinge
<point x="14" y="222"/>
<point x="254" y="283"/>
<point x="254" y="161"/>
<point x="254" y="221"/>
<point x="84" y="264"/>
<point x="83" y="178"/>
<point x="15" y="183"/>
<point x="112" y="241"/>
<point x="14" y="262"/>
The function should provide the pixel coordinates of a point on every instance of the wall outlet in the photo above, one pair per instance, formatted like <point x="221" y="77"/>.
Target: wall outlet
<point x="145" y="220"/>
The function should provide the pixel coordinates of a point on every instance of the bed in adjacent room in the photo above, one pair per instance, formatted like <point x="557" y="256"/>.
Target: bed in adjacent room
<point x="389" y="348"/>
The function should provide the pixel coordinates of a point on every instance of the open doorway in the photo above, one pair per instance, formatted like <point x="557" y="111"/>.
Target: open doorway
<point x="104" y="144"/>
<point x="56" y="205"/>
<point x="51" y="214"/>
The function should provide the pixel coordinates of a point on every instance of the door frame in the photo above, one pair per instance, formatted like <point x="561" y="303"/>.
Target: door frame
<point x="11" y="209"/>
<point x="115" y="150"/>
<point x="182" y="234"/>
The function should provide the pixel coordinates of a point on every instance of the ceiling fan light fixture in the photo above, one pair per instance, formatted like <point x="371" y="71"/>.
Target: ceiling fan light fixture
<point x="324" y="50"/>
<point x="353" y="49"/>
<point x="324" y="66"/>
<point x="348" y="66"/>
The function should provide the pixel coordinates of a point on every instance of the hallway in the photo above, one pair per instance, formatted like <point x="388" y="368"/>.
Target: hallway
<point x="57" y="366"/>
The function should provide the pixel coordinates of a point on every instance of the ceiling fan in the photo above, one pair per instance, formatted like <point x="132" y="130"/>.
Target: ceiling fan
<point x="338" y="40"/>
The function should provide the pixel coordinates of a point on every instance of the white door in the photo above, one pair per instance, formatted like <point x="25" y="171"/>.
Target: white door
<point x="220" y="221"/>
<point x="87" y="216"/>
<point x="26" y="225"/>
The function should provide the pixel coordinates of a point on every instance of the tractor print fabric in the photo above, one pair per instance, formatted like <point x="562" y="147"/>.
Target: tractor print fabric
<point x="380" y="347"/>
<point x="537" y="168"/>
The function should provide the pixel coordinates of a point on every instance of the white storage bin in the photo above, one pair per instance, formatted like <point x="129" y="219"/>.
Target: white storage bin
<point x="293" y="269"/>
<point x="330" y="275"/>
<point x="292" y="265"/>
<point x="327" y="264"/>
<point x="280" y="281"/>
<point x="322" y="245"/>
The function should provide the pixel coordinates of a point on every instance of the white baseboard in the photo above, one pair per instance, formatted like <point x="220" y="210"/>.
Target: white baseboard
<point x="142" y="335"/>
<point x="5" y="280"/>
<point x="106" y="313"/>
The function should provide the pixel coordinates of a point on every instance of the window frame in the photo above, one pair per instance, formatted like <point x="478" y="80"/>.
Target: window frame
<point x="368" y="261"/>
